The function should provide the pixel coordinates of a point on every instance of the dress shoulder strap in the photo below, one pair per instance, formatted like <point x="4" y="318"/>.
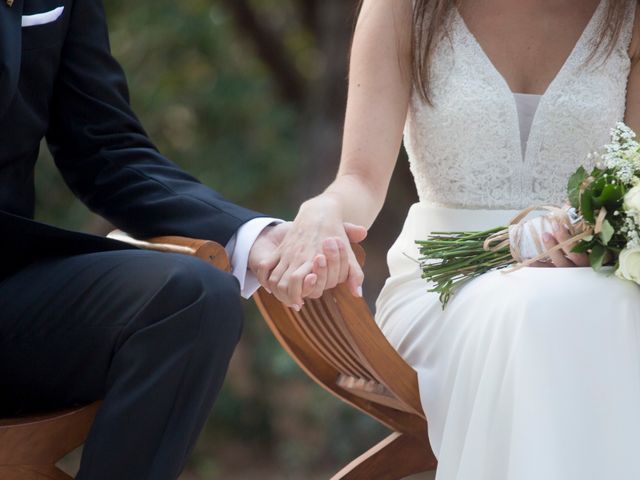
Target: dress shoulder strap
<point x="626" y="33"/>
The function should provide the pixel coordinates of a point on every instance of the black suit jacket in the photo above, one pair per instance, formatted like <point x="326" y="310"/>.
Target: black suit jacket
<point x="59" y="81"/>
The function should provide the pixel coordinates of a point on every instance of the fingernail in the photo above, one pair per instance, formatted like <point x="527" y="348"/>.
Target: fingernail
<point x="555" y="225"/>
<point x="360" y="292"/>
<point x="268" y="290"/>
<point x="296" y="307"/>
<point x="314" y="280"/>
<point x="547" y="237"/>
<point x="322" y="261"/>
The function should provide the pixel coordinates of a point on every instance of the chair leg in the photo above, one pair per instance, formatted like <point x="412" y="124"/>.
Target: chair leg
<point x="397" y="456"/>
<point x="33" y="472"/>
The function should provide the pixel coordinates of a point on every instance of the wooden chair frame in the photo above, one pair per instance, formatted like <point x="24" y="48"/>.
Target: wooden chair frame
<point x="337" y="342"/>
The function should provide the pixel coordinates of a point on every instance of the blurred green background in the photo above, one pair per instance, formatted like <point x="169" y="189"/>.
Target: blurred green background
<point x="249" y="96"/>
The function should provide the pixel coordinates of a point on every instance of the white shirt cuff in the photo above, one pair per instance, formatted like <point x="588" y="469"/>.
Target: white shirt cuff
<point x="238" y="249"/>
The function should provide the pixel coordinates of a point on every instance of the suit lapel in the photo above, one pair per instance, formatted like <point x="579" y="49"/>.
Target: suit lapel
<point x="10" y="51"/>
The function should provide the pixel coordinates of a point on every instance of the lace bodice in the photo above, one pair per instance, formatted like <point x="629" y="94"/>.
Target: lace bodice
<point x="465" y="151"/>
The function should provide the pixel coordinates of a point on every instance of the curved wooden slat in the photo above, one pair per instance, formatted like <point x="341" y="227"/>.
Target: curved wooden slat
<point x="317" y="342"/>
<point x="397" y="456"/>
<point x="374" y="352"/>
<point x="335" y="332"/>
<point x="333" y="351"/>
<point x="382" y="360"/>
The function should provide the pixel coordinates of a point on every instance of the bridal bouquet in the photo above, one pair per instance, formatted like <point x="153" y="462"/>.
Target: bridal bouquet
<point x="602" y="216"/>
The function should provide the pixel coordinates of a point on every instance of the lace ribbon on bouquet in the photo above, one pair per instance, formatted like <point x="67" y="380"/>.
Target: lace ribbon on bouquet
<point x="524" y="237"/>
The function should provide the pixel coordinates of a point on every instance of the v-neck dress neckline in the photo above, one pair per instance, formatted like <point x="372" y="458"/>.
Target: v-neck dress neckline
<point x="464" y="145"/>
<point x="556" y="82"/>
<point x="585" y="32"/>
<point x="527" y="105"/>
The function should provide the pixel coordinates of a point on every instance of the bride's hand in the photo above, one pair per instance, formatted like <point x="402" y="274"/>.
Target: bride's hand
<point x="318" y="242"/>
<point x="563" y="257"/>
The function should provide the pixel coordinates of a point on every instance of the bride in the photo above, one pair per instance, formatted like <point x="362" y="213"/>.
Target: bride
<point x="531" y="375"/>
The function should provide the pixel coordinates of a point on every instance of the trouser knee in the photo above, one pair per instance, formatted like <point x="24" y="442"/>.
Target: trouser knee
<point x="187" y="300"/>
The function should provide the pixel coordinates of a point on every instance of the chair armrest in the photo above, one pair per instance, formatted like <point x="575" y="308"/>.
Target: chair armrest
<point x="207" y="250"/>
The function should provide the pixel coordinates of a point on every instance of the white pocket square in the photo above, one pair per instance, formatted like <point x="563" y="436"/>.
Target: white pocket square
<point x="42" y="18"/>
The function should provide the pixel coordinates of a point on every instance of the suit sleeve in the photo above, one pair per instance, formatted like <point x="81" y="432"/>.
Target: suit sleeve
<point x="106" y="157"/>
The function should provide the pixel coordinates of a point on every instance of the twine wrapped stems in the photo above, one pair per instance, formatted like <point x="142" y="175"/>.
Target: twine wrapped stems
<point x="513" y="235"/>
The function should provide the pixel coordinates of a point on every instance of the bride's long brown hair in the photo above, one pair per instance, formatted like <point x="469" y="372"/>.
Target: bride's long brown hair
<point x="427" y="30"/>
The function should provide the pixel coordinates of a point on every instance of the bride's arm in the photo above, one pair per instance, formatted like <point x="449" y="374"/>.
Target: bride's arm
<point x="379" y="92"/>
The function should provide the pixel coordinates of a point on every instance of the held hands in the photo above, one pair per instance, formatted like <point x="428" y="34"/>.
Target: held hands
<point x="563" y="257"/>
<point x="304" y="258"/>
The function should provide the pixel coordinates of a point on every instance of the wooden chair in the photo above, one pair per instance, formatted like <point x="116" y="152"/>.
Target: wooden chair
<point x="31" y="446"/>
<point x="336" y="341"/>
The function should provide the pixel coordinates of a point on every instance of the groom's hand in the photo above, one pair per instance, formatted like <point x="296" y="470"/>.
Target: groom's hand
<point x="311" y="276"/>
<point x="264" y="257"/>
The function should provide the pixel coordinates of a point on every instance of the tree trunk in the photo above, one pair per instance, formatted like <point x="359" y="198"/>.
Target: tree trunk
<point x="326" y="97"/>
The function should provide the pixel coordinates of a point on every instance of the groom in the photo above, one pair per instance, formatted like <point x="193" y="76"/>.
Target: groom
<point x="84" y="318"/>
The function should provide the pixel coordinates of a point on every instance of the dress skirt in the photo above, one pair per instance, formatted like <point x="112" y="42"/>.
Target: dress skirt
<point x="529" y="375"/>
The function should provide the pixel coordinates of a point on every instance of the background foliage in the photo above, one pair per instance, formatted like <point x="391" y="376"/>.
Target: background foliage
<point x="249" y="95"/>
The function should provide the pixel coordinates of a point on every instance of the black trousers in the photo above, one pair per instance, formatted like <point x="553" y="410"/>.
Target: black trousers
<point x="149" y="333"/>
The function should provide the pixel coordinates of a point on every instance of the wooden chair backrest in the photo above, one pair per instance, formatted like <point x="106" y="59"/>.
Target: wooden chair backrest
<point x="336" y="341"/>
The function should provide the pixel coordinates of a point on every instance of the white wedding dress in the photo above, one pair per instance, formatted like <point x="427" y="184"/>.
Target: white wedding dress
<point x="535" y="374"/>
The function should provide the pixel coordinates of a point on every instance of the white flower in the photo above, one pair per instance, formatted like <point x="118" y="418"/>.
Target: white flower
<point x="622" y="155"/>
<point x="632" y="200"/>
<point x="630" y="230"/>
<point x="629" y="268"/>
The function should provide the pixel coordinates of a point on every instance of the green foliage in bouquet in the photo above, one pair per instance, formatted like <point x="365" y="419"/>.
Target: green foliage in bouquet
<point x="592" y="194"/>
<point x="602" y="198"/>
